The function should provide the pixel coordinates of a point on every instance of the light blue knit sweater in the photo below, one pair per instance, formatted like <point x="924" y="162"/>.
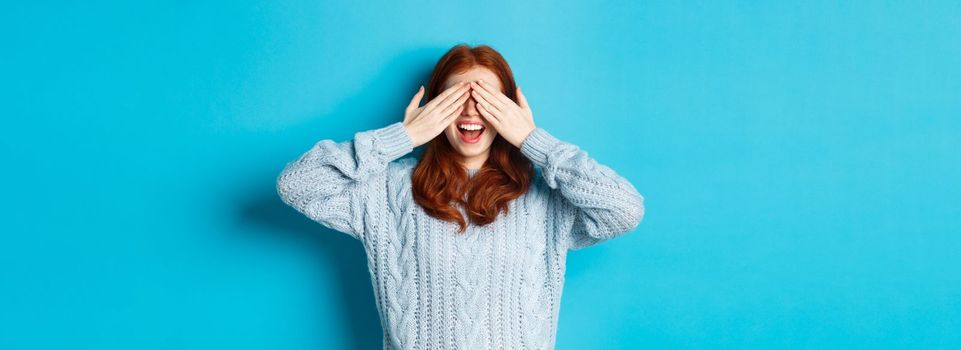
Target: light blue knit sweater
<point x="497" y="286"/>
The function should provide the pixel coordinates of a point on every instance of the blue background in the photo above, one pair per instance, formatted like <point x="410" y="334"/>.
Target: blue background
<point x="799" y="163"/>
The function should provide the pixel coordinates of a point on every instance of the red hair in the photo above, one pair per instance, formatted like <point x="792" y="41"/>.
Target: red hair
<point x="440" y="182"/>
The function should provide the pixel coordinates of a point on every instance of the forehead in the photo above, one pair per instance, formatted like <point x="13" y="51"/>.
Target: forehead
<point x="474" y="74"/>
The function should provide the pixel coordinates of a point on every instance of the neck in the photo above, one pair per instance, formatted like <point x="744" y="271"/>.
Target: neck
<point x="475" y="162"/>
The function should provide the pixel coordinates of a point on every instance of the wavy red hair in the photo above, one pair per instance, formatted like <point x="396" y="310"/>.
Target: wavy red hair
<point x="440" y="182"/>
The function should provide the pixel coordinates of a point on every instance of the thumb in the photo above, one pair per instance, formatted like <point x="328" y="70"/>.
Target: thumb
<point x="415" y="102"/>
<point x="521" y="100"/>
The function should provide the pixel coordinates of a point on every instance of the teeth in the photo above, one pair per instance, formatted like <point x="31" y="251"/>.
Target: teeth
<point x="470" y="126"/>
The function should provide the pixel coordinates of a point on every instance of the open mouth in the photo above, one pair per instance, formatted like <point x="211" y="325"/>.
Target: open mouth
<point x="470" y="132"/>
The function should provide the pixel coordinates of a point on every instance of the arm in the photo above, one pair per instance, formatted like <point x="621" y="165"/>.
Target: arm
<point x="604" y="204"/>
<point x="333" y="183"/>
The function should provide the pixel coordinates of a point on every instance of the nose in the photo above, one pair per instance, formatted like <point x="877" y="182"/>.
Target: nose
<point x="470" y="108"/>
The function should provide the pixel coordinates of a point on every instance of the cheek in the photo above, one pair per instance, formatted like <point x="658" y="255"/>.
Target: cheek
<point x="451" y="134"/>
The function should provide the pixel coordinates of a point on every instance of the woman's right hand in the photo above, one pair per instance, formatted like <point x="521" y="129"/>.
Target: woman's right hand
<point x="425" y="123"/>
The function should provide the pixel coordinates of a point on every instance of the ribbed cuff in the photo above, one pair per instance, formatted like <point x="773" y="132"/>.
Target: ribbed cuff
<point x="537" y="145"/>
<point x="393" y="141"/>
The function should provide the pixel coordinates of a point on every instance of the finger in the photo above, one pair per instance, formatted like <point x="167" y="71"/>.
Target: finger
<point x="496" y="94"/>
<point x="522" y="101"/>
<point x="453" y="115"/>
<point x="441" y="105"/>
<point x="449" y="119"/>
<point x="415" y="102"/>
<point x="458" y="103"/>
<point x="453" y="98"/>
<point x="487" y="114"/>
<point x="485" y="97"/>
<point x="482" y="102"/>
<point x="443" y="96"/>
<point x="490" y="118"/>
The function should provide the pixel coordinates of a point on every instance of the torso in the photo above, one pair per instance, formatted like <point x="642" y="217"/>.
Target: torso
<point x="497" y="285"/>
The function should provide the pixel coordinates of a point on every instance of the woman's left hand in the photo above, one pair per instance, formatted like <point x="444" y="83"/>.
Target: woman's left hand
<point x="513" y="121"/>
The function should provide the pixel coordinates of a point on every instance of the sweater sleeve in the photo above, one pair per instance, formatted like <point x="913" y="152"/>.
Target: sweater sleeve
<point x="604" y="204"/>
<point x="336" y="183"/>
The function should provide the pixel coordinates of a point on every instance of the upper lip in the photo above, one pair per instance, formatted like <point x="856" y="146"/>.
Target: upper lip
<point x="459" y="122"/>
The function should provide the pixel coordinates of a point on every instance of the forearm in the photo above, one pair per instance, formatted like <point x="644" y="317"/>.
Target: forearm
<point x="607" y="204"/>
<point x="327" y="182"/>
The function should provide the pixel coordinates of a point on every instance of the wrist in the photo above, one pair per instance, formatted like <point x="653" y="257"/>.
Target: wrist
<point x="523" y="137"/>
<point x="392" y="141"/>
<point x="538" y="144"/>
<point x="412" y="135"/>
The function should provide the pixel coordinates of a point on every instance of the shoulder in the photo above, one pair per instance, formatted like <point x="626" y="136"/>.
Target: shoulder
<point x="399" y="174"/>
<point x="538" y="183"/>
<point x="550" y="197"/>
<point x="401" y="169"/>
<point x="399" y="188"/>
<point x="540" y="190"/>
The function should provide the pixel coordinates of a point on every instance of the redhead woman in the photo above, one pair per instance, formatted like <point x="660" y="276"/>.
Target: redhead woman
<point x="466" y="246"/>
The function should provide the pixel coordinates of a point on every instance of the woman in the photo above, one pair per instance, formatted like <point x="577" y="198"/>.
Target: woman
<point x="466" y="247"/>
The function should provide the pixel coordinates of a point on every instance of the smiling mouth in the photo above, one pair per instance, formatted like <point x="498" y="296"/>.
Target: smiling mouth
<point x="470" y="133"/>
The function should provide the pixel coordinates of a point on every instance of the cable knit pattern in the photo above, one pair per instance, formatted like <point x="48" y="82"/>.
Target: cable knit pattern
<point x="494" y="287"/>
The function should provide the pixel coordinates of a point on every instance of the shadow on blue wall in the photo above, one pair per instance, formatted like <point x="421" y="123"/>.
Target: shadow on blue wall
<point x="374" y="106"/>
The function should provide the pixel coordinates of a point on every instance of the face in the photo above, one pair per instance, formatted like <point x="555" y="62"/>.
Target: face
<point x="474" y="145"/>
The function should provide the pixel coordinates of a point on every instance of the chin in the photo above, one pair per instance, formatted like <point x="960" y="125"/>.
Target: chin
<point x="472" y="152"/>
